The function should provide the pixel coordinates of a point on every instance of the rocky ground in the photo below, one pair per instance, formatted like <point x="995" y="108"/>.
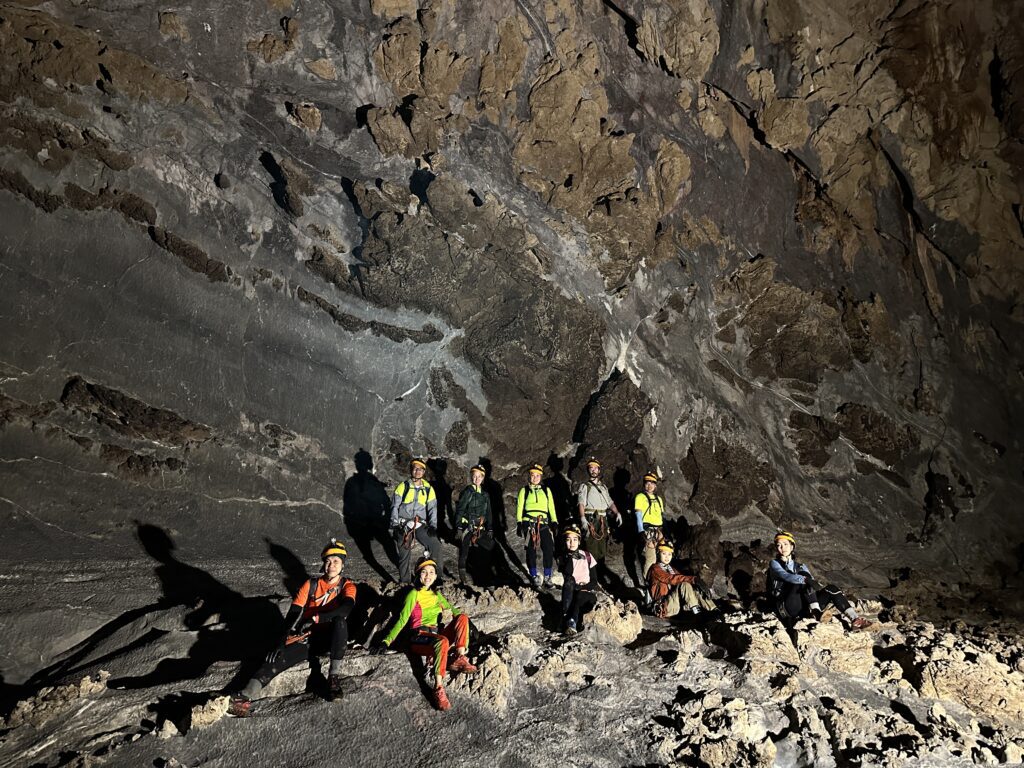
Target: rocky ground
<point x="114" y="664"/>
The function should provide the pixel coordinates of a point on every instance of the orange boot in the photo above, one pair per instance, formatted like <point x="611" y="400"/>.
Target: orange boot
<point x="441" y="699"/>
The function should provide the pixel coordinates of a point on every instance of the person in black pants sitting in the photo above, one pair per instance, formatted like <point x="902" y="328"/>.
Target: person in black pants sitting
<point x="796" y="595"/>
<point x="577" y="568"/>
<point x="316" y="623"/>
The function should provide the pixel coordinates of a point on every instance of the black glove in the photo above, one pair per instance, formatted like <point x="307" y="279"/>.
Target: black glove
<point x="273" y="656"/>
<point x="397" y="530"/>
<point x="554" y="527"/>
<point x="432" y="531"/>
<point x="521" y="529"/>
<point x="378" y="649"/>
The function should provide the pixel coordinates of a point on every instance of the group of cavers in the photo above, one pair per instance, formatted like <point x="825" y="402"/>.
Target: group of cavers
<point x="316" y="623"/>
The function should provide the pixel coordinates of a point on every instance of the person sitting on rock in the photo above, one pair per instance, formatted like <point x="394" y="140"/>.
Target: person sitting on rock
<point x="649" y="509"/>
<point x="316" y="623"/>
<point x="414" y="518"/>
<point x="536" y="521"/>
<point x="672" y="592"/>
<point x="796" y="595"/>
<point x="594" y="503"/>
<point x="473" y="520"/>
<point x="577" y="587"/>
<point x="422" y="611"/>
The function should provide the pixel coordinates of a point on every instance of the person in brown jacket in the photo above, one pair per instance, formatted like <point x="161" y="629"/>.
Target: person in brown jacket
<point x="671" y="591"/>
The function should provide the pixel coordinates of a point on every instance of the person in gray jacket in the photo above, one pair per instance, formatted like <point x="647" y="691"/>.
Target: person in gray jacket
<point x="414" y="518"/>
<point x="796" y="595"/>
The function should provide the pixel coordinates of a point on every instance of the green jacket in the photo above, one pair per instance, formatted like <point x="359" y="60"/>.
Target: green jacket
<point x="473" y="504"/>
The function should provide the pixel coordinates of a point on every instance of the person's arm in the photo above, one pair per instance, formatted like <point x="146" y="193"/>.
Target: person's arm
<point x="341" y="605"/>
<point x="520" y="504"/>
<point x="581" y="504"/>
<point x="431" y="509"/>
<point x="783" y="575"/>
<point x="638" y="500"/>
<point x="462" y="510"/>
<point x="446" y="605"/>
<point x="552" y="514"/>
<point x="402" y="619"/>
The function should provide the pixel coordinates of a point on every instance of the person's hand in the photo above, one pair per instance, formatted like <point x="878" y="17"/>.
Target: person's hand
<point x="431" y="531"/>
<point x="521" y="529"/>
<point x="273" y="656"/>
<point x="554" y="527"/>
<point x="378" y="649"/>
<point x="397" y="530"/>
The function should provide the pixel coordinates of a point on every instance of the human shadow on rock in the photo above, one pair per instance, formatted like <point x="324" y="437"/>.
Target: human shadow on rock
<point x="293" y="570"/>
<point x="443" y="491"/>
<point x="513" y="565"/>
<point x="366" y="511"/>
<point x="561" y="490"/>
<point x="228" y="626"/>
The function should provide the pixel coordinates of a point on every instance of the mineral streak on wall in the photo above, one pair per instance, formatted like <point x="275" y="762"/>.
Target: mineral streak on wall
<point x="773" y="249"/>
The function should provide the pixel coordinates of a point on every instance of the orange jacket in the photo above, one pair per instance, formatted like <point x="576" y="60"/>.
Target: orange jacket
<point x="660" y="580"/>
<point x="322" y="602"/>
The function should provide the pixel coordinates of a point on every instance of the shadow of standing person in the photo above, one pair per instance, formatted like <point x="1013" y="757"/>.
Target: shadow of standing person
<point x="443" y="490"/>
<point x="366" y="510"/>
<point x="561" y="491"/>
<point x="503" y="553"/>
<point x="227" y="625"/>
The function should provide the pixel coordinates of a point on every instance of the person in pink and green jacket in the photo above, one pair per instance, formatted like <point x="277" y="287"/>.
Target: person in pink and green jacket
<point x="422" y="611"/>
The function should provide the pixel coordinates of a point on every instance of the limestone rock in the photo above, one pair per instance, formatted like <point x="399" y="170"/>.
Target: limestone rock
<point x="831" y="648"/>
<point x="205" y="715"/>
<point x="621" y="620"/>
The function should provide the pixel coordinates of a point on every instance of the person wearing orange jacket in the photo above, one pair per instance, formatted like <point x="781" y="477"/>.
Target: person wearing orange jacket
<point x="422" y="611"/>
<point x="671" y="591"/>
<point x="317" y="621"/>
<point x="536" y="521"/>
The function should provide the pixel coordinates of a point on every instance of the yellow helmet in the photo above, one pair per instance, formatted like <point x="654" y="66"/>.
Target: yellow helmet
<point x="334" y="548"/>
<point x="785" y="536"/>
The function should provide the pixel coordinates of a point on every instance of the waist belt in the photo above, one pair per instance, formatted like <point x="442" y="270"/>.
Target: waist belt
<point x="535" y="515"/>
<point x="600" y="512"/>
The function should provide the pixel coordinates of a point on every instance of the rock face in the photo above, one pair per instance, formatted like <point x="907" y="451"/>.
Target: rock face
<point x="774" y="250"/>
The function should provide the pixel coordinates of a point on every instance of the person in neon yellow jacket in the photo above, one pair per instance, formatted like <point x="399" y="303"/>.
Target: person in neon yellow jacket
<point x="536" y="521"/>
<point x="422" y="610"/>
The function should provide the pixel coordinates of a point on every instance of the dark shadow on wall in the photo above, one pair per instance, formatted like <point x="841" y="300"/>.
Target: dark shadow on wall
<point x="445" y="509"/>
<point x="561" y="491"/>
<point x="503" y="548"/>
<point x="227" y="625"/>
<point x="366" y="510"/>
<point x="293" y="570"/>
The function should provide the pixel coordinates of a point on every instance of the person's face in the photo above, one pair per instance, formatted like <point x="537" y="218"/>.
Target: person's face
<point x="594" y="470"/>
<point x="784" y="547"/>
<point x="572" y="542"/>
<point x="534" y="477"/>
<point x="476" y="477"/>
<point x="664" y="556"/>
<point x="649" y="487"/>
<point x="428" y="575"/>
<point x="333" y="566"/>
<point x="417" y="472"/>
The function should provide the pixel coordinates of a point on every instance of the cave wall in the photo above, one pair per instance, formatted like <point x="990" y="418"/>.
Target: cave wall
<point x="771" y="248"/>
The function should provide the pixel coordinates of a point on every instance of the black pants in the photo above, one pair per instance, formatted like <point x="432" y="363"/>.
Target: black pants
<point x="797" y="598"/>
<point x="331" y="638"/>
<point x="547" y="545"/>
<point x="405" y="555"/>
<point x="576" y="600"/>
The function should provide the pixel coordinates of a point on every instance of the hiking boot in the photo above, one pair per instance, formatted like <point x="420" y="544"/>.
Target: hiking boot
<point x="461" y="664"/>
<point x="570" y="626"/>
<point x="535" y="582"/>
<point x="816" y="614"/>
<point x="860" y="623"/>
<point x="548" y="583"/>
<point x="335" y="688"/>
<point x="441" y="699"/>
<point x="239" y="706"/>
<point x="463" y="577"/>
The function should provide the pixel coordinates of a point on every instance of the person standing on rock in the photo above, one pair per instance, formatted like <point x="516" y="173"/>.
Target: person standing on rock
<point x="473" y="524"/>
<point x="594" y="502"/>
<point x="422" y="611"/>
<point x="536" y="521"/>
<point x="672" y="592"/>
<point x="796" y="595"/>
<point x="414" y="518"/>
<point x="649" y="509"/>
<point x="577" y="586"/>
<point x="317" y="622"/>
